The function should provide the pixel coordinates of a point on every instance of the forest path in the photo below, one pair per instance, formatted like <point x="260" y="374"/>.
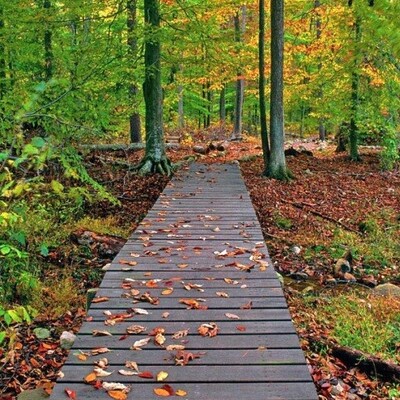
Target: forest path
<point x="195" y="274"/>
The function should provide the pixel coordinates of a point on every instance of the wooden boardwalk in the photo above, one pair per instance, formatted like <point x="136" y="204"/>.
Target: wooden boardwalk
<point x="197" y="258"/>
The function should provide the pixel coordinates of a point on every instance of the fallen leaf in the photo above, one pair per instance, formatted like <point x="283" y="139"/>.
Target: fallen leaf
<point x="222" y="294"/>
<point x="140" y="343"/>
<point x="180" y="393"/>
<point x="161" y="392"/>
<point x="180" y="334"/>
<point x="135" y="329"/>
<point x="71" y="394"/>
<point x="232" y="316"/>
<point x="100" y="299"/>
<point x="162" y="376"/>
<point x="159" y="339"/>
<point x="132" y="364"/>
<point x="173" y="347"/>
<point x="241" y="328"/>
<point x="117" y="394"/>
<point x="183" y="265"/>
<point x="114" y="386"/>
<point x="140" y="311"/>
<point x="99" y="350"/>
<point x="167" y="292"/>
<point x="210" y="329"/>
<point x="101" y="373"/>
<point x="90" y="377"/>
<point x="165" y="314"/>
<point x="125" y="372"/>
<point x="146" y="375"/>
<point x="183" y="357"/>
<point x="102" y="363"/>
<point x="101" y="333"/>
<point x="247" y="306"/>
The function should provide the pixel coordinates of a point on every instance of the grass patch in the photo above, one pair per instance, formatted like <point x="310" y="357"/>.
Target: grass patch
<point x="363" y="321"/>
<point x="282" y="222"/>
<point x="109" y="225"/>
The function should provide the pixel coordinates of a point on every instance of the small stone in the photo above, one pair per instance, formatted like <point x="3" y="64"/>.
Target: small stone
<point x="296" y="250"/>
<point x="106" y="267"/>
<point x="67" y="339"/>
<point x="388" y="289"/>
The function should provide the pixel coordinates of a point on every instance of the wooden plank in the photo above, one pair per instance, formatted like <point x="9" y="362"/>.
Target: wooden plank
<point x="167" y="303"/>
<point x="205" y="391"/>
<point x="280" y="314"/>
<point x="226" y="327"/>
<point x="202" y="374"/>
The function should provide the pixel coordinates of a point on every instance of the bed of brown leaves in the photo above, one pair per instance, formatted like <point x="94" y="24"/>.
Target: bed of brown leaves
<point x="341" y="191"/>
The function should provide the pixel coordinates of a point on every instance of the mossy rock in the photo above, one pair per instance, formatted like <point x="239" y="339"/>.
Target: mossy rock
<point x="388" y="289"/>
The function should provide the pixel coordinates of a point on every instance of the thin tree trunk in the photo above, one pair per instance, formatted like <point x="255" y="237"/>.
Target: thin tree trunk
<point x="48" y="46"/>
<point x="155" y="159"/>
<point x="277" y="163"/>
<point x="222" y="106"/>
<point x="134" y="118"/>
<point x="181" y="111"/>
<point x="209" y="104"/>
<point x="318" y="26"/>
<point x="355" y="95"/>
<point x="239" y="98"/>
<point x="261" y="82"/>
<point x="3" y="76"/>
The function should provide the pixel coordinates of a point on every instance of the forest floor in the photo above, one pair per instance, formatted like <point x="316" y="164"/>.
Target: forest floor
<point x="331" y="205"/>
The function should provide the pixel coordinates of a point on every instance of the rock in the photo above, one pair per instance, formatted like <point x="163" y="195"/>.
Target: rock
<point x="299" y="276"/>
<point x="296" y="250"/>
<point x="388" y="289"/>
<point x="35" y="394"/>
<point x="41" y="333"/>
<point x="342" y="266"/>
<point x="67" y="339"/>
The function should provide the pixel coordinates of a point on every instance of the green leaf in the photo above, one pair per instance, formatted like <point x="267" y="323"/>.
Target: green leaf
<point x="41" y="333"/>
<point x="44" y="250"/>
<point x="57" y="187"/>
<point x="38" y="142"/>
<point x="2" y="337"/>
<point x="14" y="316"/>
<point x="5" y="249"/>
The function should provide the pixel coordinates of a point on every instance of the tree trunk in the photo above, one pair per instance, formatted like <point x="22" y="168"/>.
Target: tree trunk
<point x="181" y="111"/>
<point x="261" y="82"/>
<point x="320" y="95"/>
<point x="222" y="106"/>
<point x="355" y="95"/>
<point x="277" y="163"/>
<point x="155" y="158"/>
<point x="134" y="118"/>
<point x="239" y="98"/>
<point x="3" y="76"/>
<point x="48" y="49"/>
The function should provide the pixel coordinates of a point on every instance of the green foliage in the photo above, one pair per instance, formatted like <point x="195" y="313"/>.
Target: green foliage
<point x="282" y="222"/>
<point x="17" y="315"/>
<point x="378" y="247"/>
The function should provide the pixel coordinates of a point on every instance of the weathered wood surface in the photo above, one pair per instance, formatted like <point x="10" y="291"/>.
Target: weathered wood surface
<point x="200" y="243"/>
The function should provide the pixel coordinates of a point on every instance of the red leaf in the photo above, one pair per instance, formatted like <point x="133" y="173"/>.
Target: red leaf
<point x="71" y="394"/>
<point x="146" y="375"/>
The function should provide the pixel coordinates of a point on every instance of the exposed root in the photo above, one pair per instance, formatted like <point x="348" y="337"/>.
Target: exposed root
<point x="150" y="166"/>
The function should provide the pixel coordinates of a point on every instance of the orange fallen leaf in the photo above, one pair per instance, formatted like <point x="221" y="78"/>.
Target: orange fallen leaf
<point x="90" y="377"/>
<point x="180" y="393"/>
<point x="100" y="299"/>
<point x="167" y="292"/>
<point x="117" y="394"/>
<point x="183" y="265"/>
<point x="241" y="328"/>
<point x="161" y="392"/>
<point x="71" y="394"/>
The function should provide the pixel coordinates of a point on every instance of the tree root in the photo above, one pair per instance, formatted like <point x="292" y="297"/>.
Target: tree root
<point x="151" y="166"/>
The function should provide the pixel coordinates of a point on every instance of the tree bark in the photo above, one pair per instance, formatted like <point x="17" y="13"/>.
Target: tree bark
<point x="239" y="98"/>
<point x="48" y="46"/>
<point x="355" y="95"/>
<point x="134" y="118"/>
<point x="277" y="163"/>
<point x="261" y="84"/>
<point x="320" y="95"/>
<point x="3" y="76"/>
<point x="222" y="106"/>
<point x="155" y="158"/>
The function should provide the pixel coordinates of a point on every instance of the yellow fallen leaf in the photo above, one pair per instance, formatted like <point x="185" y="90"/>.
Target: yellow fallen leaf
<point x="161" y="376"/>
<point x="180" y="393"/>
<point x="167" y="292"/>
<point x="90" y="377"/>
